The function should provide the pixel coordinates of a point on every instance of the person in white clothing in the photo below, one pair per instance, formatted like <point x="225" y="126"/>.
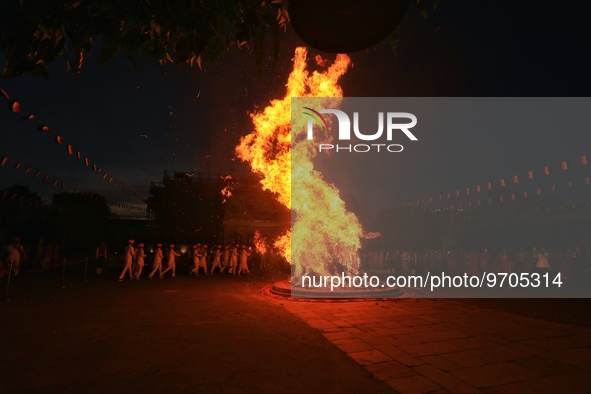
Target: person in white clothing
<point x="13" y="258"/>
<point x="234" y="259"/>
<point x="542" y="265"/>
<point x="217" y="259"/>
<point x="158" y="256"/>
<point x="225" y="258"/>
<point x="244" y="254"/>
<point x="140" y="255"/>
<point x="195" y="255"/>
<point x="128" y="255"/>
<point x="203" y="258"/>
<point x="172" y="255"/>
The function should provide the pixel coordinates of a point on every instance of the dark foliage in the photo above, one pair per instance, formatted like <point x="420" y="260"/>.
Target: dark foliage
<point x="35" y="33"/>
<point x="79" y="222"/>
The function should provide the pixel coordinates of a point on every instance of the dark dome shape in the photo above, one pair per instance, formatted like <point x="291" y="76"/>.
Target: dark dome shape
<point x="342" y="26"/>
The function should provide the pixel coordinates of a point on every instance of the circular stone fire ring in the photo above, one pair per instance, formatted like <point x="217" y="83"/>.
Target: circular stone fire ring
<point x="284" y="290"/>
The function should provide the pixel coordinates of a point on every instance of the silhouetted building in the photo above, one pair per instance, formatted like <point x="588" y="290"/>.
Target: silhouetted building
<point x="189" y="207"/>
<point x="251" y="208"/>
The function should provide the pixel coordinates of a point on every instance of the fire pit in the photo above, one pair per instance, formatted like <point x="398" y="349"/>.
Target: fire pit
<point x="284" y="289"/>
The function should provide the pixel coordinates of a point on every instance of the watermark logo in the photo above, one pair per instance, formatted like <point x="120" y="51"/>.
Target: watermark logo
<point x="389" y="125"/>
<point x="317" y="118"/>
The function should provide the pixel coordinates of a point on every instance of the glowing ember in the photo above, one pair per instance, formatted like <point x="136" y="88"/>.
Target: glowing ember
<point x="371" y="235"/>
<point x="325" y="235"/>
<point x="227" y="193"/>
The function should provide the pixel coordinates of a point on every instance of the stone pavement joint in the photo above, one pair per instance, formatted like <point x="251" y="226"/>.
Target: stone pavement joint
<point x="449" y="346"/>
<point x="390" y="370"/>
<point x="446" y="380"/>
<point x="331" y="336"/>
<point x="414" y="384"/>
<point x="370" y="357"/>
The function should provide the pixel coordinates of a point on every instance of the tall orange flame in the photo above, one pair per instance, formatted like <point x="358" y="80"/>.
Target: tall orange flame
<point x="259" y="242"/>
<point x="325" y="235"/>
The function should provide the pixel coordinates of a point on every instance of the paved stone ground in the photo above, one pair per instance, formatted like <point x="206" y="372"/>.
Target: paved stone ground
<point x="213" y="334"/>
<point x="220" y="334"/>
<point x="423" y="346"/>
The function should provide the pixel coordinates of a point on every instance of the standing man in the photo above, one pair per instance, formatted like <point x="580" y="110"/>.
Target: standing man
<point x="128" y="255"/>
<point x="195" y="257"/>
<point x="23" y="252"/>
<point x="243" y="267"/>
<point x="100" y="257"/>
<point x="217" y="259"/>
<point x="158" y="256"/>
<point x="225" y="258"/>
<point x="140" y="255"/>
<point x="234" y="259"/>
<point x="172" y="255"/>
<point x="542" y="265"/>
<point x="14" y="256"/>
<point x="203" y="259"/>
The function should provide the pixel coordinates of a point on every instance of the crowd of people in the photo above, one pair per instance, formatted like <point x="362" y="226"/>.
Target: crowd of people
<point x="16" y="255"/>
<point x="234" y="259"/>
<point x="454" y="261"/>
<point x="230" y="259"/>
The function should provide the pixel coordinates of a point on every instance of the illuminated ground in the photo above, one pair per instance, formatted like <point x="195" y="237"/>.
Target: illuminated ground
<point x="219" y="334"/>
<point x="182" y="335"/>
<point x="459" y="347"/>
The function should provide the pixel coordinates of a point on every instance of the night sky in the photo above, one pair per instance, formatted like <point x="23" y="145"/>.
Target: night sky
<point x="137" y="123"/>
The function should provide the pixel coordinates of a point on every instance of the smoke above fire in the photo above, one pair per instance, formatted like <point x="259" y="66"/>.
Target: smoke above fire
<point x="324" y="236"/>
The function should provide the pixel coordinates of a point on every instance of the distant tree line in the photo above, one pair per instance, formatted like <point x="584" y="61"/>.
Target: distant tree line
<point x="74" y="221"/>
<point x="184" y="208"/>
